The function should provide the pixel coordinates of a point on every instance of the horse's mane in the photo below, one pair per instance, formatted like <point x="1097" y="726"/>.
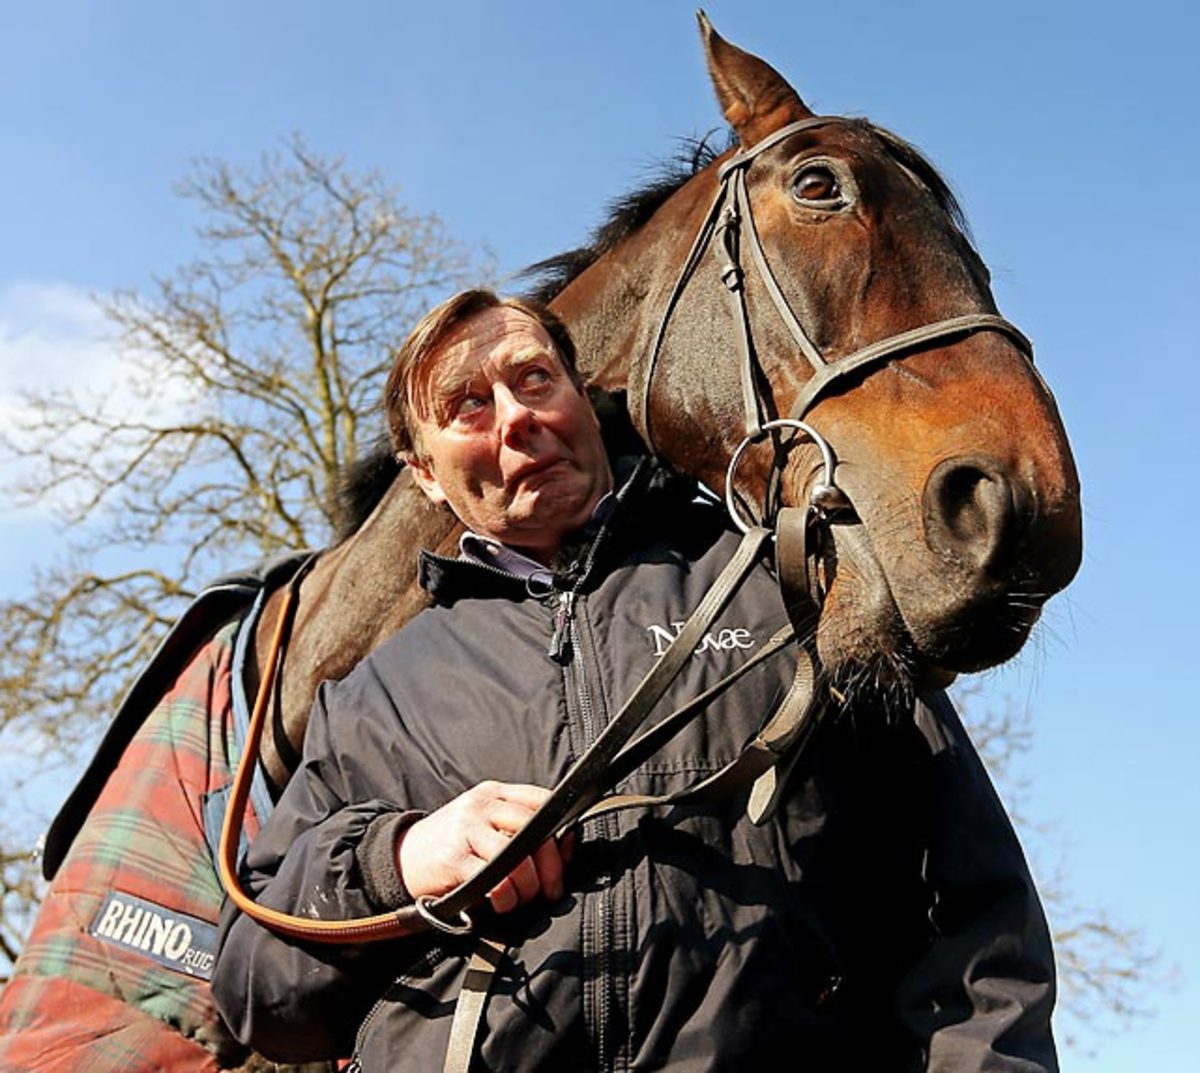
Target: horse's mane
<point x="627" y="214"/>
<point x="362" y="484"/>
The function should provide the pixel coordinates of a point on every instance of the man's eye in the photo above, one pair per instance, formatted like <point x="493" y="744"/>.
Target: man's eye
<point x="533" y="378"/>
<point x="468" y="404"/>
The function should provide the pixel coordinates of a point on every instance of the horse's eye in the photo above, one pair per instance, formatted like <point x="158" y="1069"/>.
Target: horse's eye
<point x="817" y="185"/>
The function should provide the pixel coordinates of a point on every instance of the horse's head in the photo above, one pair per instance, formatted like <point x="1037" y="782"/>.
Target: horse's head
<point x="963" y="514"/>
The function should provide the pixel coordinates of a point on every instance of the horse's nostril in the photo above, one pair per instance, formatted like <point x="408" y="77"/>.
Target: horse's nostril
<point x="975" y="512"/>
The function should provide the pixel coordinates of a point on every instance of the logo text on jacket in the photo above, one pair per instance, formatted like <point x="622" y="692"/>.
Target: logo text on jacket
<point x="718" y="641"/>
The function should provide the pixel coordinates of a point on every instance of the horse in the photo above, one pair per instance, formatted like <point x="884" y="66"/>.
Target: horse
<point x="863" y="316"/>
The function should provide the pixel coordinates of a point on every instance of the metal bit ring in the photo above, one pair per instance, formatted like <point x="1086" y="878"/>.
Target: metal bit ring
<point x="825" y="494"/>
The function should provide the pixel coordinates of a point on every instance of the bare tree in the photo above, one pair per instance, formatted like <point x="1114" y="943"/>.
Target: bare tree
<point x="19" y="891"/>
<point x="1107" y="971"/>
<point x="255" y="374"/>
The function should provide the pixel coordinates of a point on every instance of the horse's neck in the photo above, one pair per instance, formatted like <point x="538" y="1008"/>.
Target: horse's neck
<point x="613" y="308"/>
<point x="358" y="594"/>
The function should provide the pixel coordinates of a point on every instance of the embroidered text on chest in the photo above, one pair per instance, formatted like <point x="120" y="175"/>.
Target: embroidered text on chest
<point x="717" y="641"/>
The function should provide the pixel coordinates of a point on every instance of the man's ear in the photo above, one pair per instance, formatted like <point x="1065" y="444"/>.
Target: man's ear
<point x="425" y="479"/>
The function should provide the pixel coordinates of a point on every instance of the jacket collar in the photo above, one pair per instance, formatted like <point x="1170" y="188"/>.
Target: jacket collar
<point x="448" y="579"/>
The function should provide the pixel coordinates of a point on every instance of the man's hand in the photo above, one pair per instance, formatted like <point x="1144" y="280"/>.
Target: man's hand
<point x="450" y="845"/>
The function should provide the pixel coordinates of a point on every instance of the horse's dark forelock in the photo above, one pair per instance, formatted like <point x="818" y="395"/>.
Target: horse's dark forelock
<point x="363" y="483"/>
<point x="629" y="213"/>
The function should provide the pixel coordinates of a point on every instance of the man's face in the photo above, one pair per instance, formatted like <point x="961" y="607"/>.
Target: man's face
<point x="507" y="439"/>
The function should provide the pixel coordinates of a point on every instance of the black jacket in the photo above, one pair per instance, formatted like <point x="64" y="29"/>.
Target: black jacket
<point x="884" y="920"/>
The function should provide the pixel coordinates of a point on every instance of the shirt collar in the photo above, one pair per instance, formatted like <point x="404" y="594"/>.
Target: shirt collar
<point x="489" y="552"/>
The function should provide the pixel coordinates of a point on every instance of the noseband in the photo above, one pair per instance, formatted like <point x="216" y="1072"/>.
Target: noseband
<point x="730" y="218"/>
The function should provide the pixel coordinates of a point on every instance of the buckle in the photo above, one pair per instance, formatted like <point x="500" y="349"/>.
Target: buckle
<point x="425" y="912"/>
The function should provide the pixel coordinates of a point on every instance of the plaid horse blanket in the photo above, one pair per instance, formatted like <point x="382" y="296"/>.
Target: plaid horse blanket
<point x="114" y="975"/>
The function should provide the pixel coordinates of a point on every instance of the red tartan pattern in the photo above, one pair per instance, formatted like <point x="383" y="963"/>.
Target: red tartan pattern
<point x="78" y="1003"/>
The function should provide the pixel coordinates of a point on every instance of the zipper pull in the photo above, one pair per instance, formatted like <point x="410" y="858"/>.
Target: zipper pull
<point x="560" y="640"/>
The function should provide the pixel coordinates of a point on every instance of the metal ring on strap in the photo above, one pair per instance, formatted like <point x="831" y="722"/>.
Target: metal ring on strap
<point x="821" y="490"/>
<point x="423" y="905"/>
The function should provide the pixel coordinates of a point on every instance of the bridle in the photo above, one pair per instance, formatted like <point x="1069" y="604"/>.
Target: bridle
<point x="728" y="223"/>
<point x="729" y="210"/>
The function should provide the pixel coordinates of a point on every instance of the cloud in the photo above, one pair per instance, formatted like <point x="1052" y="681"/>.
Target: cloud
<point x="53" y="335"/>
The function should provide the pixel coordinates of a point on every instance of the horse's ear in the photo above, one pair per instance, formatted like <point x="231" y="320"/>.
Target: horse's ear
<point x="755" y="98"/>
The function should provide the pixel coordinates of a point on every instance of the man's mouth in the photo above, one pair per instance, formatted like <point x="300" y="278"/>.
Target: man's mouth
<point x="534" y="470"/>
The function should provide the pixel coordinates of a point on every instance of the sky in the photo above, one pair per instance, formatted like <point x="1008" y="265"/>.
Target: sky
<point x="1068" y="130"/>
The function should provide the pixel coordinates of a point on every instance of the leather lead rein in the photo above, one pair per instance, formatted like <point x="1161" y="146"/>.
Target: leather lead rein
<point x="579" y="789"/>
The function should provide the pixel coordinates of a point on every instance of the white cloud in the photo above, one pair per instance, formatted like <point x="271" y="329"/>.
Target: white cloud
<point x="51" y="335"/>
<point x="54" y="336"/>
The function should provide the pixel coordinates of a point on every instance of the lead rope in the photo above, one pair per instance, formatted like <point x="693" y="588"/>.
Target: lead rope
<point x="581" y="787"/>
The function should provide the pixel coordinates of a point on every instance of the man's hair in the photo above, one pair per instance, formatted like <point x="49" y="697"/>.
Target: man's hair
<point x="405" y="396"/>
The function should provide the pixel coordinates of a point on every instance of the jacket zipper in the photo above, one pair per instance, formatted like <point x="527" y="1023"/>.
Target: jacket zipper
<point x="427" y="962"/>
<point x="564" y="627"/>
<point x="562" y="640"/>
<point x="601" y="900"/>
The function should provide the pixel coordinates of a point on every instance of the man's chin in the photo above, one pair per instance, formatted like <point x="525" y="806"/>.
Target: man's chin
<point x="547" y="515"/>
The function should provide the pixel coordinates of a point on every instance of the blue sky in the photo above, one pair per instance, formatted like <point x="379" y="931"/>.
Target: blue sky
<point x="1068" y="129"/>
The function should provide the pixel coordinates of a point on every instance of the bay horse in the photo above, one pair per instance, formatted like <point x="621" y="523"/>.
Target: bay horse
<point x="961" y="512"/>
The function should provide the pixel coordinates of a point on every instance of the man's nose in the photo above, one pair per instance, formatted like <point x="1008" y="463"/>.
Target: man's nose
<point x="515" y="419"/>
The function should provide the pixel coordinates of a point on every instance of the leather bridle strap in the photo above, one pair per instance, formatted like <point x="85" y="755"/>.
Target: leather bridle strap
<point x="780" y="737"/>
<point x="731" y="207"/>
<point x="905" y="342"/>
<point x="472" y="998"/>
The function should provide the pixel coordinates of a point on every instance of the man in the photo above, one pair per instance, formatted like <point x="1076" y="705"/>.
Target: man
<point x="883" y="919"/>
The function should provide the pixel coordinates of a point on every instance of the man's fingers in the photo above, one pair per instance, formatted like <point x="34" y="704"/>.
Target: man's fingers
<point x="525" y="879"/>
<point x="503" y="897"/>
<point x="541" y="873"/>
<point x="519" y="887"/>
<point x="507" y="816"/>
<point x="453" y="843"/>
<point x="567" y="844"/>
<point x="548" y="863"/>
<point x="519" y="793"/>
<point x="485" y="842"/>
